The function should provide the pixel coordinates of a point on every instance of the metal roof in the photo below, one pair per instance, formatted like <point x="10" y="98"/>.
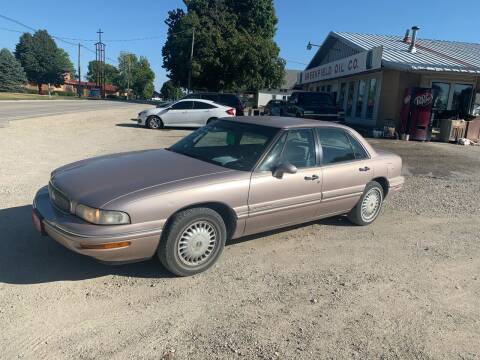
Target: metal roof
<point x="431" y="55"/>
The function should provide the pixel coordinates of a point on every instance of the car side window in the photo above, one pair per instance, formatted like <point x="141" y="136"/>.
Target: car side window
<point x="183" y="105"/>
<point x="197" y="105"/>
<point x="300" y="148"/>
<point x="336" y="147"/>
<point x="274" y="156"/>
<point x="358" y="149"/>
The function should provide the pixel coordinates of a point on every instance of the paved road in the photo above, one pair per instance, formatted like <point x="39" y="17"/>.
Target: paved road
<point x="17" y="110"/>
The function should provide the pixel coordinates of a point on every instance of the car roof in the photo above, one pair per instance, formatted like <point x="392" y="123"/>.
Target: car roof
<point x="200" y="100"/>
<point x="282" y="122"/>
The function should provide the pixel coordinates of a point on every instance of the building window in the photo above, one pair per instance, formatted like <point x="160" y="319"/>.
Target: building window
<point x="461" y="99"/>
<point x="274" y="97"/>
<point x="329" y="88"/>
<point x="284" y="97"/>
<point x="372" y="92"/>
<point x="341" y="96"/>
<point x="360" y="98"/>
<point x="351" y="89"/>
<point x="440" y="95"/>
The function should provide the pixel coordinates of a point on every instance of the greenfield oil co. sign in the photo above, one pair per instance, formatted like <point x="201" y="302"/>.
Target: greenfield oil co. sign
<point x="363" y="61"/>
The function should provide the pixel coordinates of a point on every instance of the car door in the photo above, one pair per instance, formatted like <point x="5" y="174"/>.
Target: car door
<point x="292" y="198"/>
<point x="202" y="111"/>
<point x="290" y="108"/>
<point x="346" y="169"/>
<point x="178" y="114"/>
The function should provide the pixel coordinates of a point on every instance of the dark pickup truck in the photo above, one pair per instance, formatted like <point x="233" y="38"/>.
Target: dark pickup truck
<point x="314" y="105"/>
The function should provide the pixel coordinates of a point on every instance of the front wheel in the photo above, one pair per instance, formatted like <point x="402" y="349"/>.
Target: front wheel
<point x="369" y="205"/>
<point x="193" y="241"/>
<point x="154" y="122"/>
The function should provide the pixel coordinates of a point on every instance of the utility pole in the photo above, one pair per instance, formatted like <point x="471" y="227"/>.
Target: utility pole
<point x="79" y="86"/>
<point x="191" y="58"/>
<point x="129" y="69"/>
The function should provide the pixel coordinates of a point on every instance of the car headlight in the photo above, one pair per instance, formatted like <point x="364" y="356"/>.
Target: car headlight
<point x="101" y="217"/>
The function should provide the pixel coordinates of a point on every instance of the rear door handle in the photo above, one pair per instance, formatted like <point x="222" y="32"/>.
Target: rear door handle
<point x="366" y="168"/>
<point x="311" y="178"/>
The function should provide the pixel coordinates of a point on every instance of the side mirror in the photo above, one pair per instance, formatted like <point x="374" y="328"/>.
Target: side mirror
<point x="284" y="168"/>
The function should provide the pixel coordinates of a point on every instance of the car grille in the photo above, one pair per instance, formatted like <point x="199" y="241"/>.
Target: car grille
<point x="58" y="199"/>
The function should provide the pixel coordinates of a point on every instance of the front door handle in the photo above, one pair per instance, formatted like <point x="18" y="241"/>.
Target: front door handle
<point x="366" y="168"/>
<point x="311" y="178"/>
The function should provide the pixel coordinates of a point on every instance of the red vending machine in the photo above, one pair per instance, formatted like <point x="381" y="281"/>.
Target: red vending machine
<point x="416" y="113"/>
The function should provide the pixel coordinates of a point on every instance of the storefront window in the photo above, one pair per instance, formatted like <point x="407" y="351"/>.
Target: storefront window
<point x="360" y="98"/>
<point x="440" y="95"/>
<point x="462" y="97"/>
<point x="372" y="91"/>
<point x="351" y="89"/>
<point x="341" y="96"/>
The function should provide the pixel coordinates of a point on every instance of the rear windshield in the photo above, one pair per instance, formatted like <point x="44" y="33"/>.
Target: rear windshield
<point x="315" y="99"/>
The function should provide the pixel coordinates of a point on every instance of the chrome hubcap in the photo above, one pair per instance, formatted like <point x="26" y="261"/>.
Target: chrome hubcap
<point x="371" y="204"/>
<point x="153" y="123"/>
<point x="197" y="243"/>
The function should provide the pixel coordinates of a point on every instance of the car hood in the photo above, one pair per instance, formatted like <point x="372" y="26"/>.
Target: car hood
<point x="97" y="181"/>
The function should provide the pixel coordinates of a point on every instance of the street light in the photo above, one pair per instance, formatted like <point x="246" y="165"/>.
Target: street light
<point x="309" y="45"/>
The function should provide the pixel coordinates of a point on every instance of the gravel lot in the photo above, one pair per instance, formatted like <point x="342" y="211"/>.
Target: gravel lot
<point x="408" y="286"/>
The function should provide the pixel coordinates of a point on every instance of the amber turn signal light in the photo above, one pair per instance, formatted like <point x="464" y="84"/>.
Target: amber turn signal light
<point x="112" y="245"/>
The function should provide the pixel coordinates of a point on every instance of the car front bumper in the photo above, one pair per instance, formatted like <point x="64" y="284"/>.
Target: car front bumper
<point x="77" y="235"/>
<point x="141" y="119"/>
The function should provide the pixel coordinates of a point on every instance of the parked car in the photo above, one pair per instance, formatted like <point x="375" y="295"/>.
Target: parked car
<point x="185" y="113"/>
<point x="274" y="108"/>
<point x="220" y="98"/>
<point x="234" y="177"/>
<point x="314" y="105"/>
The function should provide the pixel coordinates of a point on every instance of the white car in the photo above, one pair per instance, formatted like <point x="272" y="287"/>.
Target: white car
<point x="184" y="113"/>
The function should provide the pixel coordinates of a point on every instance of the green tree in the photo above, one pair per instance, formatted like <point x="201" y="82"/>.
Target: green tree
<point x="42" y="60"/>
<point x="126" y="64"/>
<point x="12" y="76"/>
<point x="148" y="91"/>
<point x="170" y="92"/>
<point x="111" y="72"/>
<point x="234" y="47"/>
<point x="135" y="75"/>
<point x="143" y="77"/>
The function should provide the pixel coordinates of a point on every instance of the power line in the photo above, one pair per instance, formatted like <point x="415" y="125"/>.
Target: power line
<point x="11" y="30"/>
<point x="53" y="36"/>
<point x="295" y="62"/>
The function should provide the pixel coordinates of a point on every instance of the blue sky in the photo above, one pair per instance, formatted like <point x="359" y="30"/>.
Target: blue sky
<point x="299" y="22"/>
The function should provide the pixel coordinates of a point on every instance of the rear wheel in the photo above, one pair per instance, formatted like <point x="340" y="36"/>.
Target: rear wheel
<point x="211" y="120"/>
<point x="369" y="205"/>
<point x="193" y="241"/>
<point x="154" y="122"/>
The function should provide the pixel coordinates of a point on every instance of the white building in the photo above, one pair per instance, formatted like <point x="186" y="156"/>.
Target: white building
<point x="289" y="81"/>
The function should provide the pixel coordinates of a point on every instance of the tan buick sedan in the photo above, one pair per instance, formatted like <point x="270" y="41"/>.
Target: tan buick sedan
<point x="232" y="178"/>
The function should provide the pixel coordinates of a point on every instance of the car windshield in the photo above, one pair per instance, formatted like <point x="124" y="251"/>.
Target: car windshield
<point x="315" y="99"/>
<point x="164" y="104"/>
<point x="229" y="144"/>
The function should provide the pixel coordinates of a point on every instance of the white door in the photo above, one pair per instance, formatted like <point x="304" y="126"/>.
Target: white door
<point x="202" y="111"/>
<point x="178" y="114"/>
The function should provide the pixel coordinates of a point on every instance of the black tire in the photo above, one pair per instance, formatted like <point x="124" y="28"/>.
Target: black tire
<point x="359" y="216"/>
<point x="170" y="250"/>
<point x="152" y="120"/>
<point x="211" y="119"/>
